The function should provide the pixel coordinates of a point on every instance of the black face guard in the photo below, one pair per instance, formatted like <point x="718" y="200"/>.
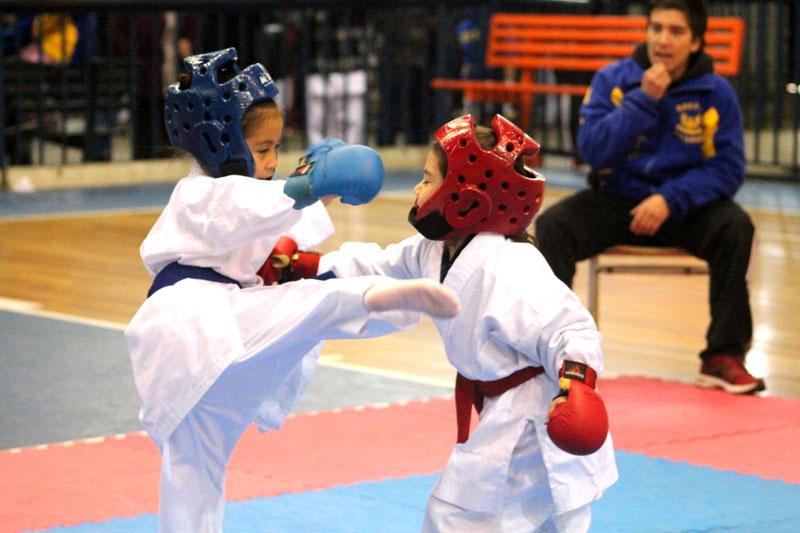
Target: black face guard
<point x="433" y="226"/>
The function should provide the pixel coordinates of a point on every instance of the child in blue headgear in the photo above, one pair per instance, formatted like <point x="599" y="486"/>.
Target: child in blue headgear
<point x="215" y="348"/>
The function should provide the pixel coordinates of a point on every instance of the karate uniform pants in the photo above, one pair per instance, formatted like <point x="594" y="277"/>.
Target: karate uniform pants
<point x="527" y="507"/>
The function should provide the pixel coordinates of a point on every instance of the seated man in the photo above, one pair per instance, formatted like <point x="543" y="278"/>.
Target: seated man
<point x="663" y="135"/>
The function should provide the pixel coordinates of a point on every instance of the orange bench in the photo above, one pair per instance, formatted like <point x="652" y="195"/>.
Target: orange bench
<point x="529" y="42"/>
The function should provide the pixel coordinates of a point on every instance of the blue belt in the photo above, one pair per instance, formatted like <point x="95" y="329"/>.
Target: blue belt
<point x="174" y="272"/>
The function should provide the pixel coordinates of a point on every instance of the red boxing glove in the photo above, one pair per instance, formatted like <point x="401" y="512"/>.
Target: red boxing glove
<point x="280" y="258"/>
<point x="304" y="265"/>
<point x="580" y="424"/>
<point x="285" y="263"/>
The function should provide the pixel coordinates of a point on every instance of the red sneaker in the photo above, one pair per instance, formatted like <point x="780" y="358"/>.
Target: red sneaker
<point x="727" y="372"/>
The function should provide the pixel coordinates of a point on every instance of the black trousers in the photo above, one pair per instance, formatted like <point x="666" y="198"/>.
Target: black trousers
<point x="721" y="233"/>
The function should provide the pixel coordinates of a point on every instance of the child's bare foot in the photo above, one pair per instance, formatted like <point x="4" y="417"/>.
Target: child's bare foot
<point x="422" y="295"/>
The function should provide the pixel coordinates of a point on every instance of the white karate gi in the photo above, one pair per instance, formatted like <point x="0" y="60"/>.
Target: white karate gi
<point x="210" y="358"/>
<point x="508" y="476"/>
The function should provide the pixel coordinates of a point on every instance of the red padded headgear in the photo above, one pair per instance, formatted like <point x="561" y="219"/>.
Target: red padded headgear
<point x="482" y="190"/>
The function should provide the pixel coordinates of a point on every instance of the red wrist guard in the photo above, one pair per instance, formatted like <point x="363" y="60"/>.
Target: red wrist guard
<point x="578" y="371"/>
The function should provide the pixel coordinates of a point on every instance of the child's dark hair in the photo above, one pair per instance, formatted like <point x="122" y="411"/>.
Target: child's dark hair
<point x="695" y="11"/>
<point x="256" y="113"/>
<point x="487" y="138"/>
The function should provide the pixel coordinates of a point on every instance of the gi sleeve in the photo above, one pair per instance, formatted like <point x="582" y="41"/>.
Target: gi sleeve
<point x="232" y="211"/>
<point x="399" y="261"/>
<point x="544" y="320"/>
<point x="314" y="226"/>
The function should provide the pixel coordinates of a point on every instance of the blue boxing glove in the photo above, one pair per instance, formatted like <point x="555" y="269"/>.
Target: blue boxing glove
<point x="353" y="172"/>
<point x="316" y="150"/>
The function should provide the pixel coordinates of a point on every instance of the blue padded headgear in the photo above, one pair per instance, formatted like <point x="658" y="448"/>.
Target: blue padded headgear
<point x="205" y="118"/>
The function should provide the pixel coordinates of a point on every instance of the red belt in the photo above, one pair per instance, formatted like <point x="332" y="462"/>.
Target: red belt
<point x="471" y="392"/>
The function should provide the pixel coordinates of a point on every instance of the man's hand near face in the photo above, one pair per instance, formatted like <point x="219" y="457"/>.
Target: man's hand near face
<point x="655" y="81"/>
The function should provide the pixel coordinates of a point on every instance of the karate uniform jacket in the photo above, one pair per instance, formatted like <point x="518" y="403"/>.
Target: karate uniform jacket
<point x="185" y="335"/>
<point x="514" y="313"/>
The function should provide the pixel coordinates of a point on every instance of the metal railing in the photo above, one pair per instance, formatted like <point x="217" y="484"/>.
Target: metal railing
<point x="358" y="70"/>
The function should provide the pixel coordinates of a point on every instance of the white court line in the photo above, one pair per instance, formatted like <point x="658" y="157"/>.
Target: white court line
<point x="100" y="212"/>
<point x="71" y="443"/>
<point x="777" y="236"/>
<point x="334" y="360"/>
<point x="25" y="307"/>
<point x="398" y="194"/>
<point x="18" y="306"/>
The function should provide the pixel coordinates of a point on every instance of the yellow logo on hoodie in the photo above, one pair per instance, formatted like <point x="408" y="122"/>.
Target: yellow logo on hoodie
<point x="697" y="128"/>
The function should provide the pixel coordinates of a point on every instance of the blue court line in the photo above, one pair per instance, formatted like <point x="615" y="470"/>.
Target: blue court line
<point x="652" y="496"/>
<point x="778" y="196"/>
<point x="62" y="381"/>
<point x="74" y="381"/>
<point x="783" y="197"/>
<point x="57" y="201"/>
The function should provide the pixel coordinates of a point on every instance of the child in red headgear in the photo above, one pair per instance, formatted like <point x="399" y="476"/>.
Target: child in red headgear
<point x="527" y="352"/>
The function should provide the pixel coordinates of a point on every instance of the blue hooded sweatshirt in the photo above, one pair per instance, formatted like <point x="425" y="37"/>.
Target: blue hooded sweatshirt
<point x="688" y="146"/>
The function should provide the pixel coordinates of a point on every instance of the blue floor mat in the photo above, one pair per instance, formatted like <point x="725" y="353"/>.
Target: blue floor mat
<point x="652" y="496"/>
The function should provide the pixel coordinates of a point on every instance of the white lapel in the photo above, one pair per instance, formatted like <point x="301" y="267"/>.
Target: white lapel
<point x="471" y="257"/>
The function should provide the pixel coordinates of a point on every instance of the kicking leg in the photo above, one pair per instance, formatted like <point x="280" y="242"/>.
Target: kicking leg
<point x="423" y="295"/>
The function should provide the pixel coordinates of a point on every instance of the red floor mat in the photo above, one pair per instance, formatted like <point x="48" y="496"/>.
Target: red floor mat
<point x="65" y="484"/>
<point x="343" y="447"/>
<point x="746" y="434"/>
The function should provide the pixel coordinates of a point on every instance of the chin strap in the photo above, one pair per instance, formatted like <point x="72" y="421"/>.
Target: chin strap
<point x="432" y="226"/>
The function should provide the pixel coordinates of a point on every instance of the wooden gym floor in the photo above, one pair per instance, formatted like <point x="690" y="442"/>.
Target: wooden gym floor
<point x="86" y="265"/>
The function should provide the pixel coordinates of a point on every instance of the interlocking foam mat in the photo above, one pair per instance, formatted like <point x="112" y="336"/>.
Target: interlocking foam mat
<point x="690" y="460"/>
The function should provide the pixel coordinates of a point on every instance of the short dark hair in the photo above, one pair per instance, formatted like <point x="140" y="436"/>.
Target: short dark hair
<point x="695" y="11"/>
<point x="258" y="112"/>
